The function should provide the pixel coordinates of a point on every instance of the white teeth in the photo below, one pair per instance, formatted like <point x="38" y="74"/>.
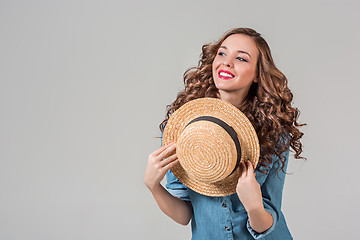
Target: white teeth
<point x="225" y="74"/>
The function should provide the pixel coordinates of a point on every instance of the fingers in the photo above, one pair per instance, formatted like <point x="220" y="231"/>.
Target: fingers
<point x="243" y="169"/>
<point x="250" y="168"/>
<point x="168" y="160"/>
<point x="160" y="150"/>
<point x="170" y="165"/>
<point x="246" y="168"/>
<point x="168" y="151"/>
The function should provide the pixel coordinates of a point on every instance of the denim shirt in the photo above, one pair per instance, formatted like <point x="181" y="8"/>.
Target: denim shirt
<point x="225" y="217"/>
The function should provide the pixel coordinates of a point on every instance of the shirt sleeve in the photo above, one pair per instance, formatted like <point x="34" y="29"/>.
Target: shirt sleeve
<point x="174" y="186"/>
<point x="272" y="189"/>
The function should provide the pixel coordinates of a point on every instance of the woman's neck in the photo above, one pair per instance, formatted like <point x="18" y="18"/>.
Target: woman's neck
<point x="235" y="99"/>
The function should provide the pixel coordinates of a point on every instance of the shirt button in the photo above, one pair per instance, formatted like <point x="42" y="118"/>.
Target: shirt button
<point x="227" y="228"/>
<point x="223" y="205"/>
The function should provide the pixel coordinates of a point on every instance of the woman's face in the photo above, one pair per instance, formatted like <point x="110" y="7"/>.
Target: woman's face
<point x="234" y="67"/>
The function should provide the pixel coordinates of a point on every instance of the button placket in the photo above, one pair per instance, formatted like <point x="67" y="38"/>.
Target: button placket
<point x="227" y="227"/>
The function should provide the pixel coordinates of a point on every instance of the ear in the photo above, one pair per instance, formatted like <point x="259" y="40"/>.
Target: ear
<point x="256" y="80"/>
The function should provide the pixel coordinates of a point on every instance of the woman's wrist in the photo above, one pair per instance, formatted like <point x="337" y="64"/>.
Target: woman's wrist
<point x="260" y="220"/>
<point x="256" y="211"/>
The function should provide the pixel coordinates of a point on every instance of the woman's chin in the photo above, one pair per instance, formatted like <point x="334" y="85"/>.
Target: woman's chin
<point x="224" y="88"/>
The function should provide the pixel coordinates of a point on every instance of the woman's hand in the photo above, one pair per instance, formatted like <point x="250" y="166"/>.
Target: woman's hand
<point x="248" y="189"/>
<point x="249" y="192"/>
<point x="157" y="166"/>
<point x="177" y="209"/>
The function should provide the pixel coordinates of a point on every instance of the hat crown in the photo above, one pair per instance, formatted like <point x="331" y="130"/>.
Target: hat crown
<point x="212" y="150"/>
<point x="206" y="152"/>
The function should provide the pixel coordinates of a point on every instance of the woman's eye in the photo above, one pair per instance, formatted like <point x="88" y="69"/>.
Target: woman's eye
<point x="221" y="54"/>
<point x="241" y="59"/>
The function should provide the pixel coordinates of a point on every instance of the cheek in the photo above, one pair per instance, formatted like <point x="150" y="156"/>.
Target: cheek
<point x="248" y="71"/>
<point x="215" y="65"/>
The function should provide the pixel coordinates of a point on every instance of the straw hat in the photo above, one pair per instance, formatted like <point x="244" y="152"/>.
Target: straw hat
<point x="212" y="137"/>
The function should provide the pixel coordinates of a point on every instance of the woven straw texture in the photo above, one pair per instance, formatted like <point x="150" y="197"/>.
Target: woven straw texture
<point x="207" y="155"/>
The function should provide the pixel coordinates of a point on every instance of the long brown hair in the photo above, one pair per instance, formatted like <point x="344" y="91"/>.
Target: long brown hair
<point x="267" y="105"/>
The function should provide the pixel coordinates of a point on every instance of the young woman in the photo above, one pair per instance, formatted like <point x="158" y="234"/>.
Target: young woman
<point x="238" y="69"/>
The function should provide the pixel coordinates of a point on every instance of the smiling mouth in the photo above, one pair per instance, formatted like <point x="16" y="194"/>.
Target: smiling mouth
<point x="225" y="75"/>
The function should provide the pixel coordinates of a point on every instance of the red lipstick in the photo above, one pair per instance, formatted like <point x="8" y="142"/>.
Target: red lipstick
<point x="223" y="74"/>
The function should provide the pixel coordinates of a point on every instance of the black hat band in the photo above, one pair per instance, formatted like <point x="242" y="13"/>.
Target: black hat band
<point x="227" y="128"/>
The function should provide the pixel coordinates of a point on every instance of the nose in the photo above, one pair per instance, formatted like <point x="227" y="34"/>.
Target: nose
<point x="227" y="62"/>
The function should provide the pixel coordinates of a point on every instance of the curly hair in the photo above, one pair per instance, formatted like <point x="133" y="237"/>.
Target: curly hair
<point x="267" y="105"/>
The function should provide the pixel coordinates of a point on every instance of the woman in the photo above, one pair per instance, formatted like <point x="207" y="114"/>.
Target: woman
<point x="238" y="69"/>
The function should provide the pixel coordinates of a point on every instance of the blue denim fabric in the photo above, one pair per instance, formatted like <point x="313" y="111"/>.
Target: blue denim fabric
<point x="226" y="218"/>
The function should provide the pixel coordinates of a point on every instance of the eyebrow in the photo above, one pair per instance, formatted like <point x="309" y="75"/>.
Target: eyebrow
<point x="240" y="51"/>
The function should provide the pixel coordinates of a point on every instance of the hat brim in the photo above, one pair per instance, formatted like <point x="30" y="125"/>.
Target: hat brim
<point x="228" y="113"/>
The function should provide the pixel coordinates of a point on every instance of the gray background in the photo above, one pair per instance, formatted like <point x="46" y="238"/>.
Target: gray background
<point x="84" y="85"/>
